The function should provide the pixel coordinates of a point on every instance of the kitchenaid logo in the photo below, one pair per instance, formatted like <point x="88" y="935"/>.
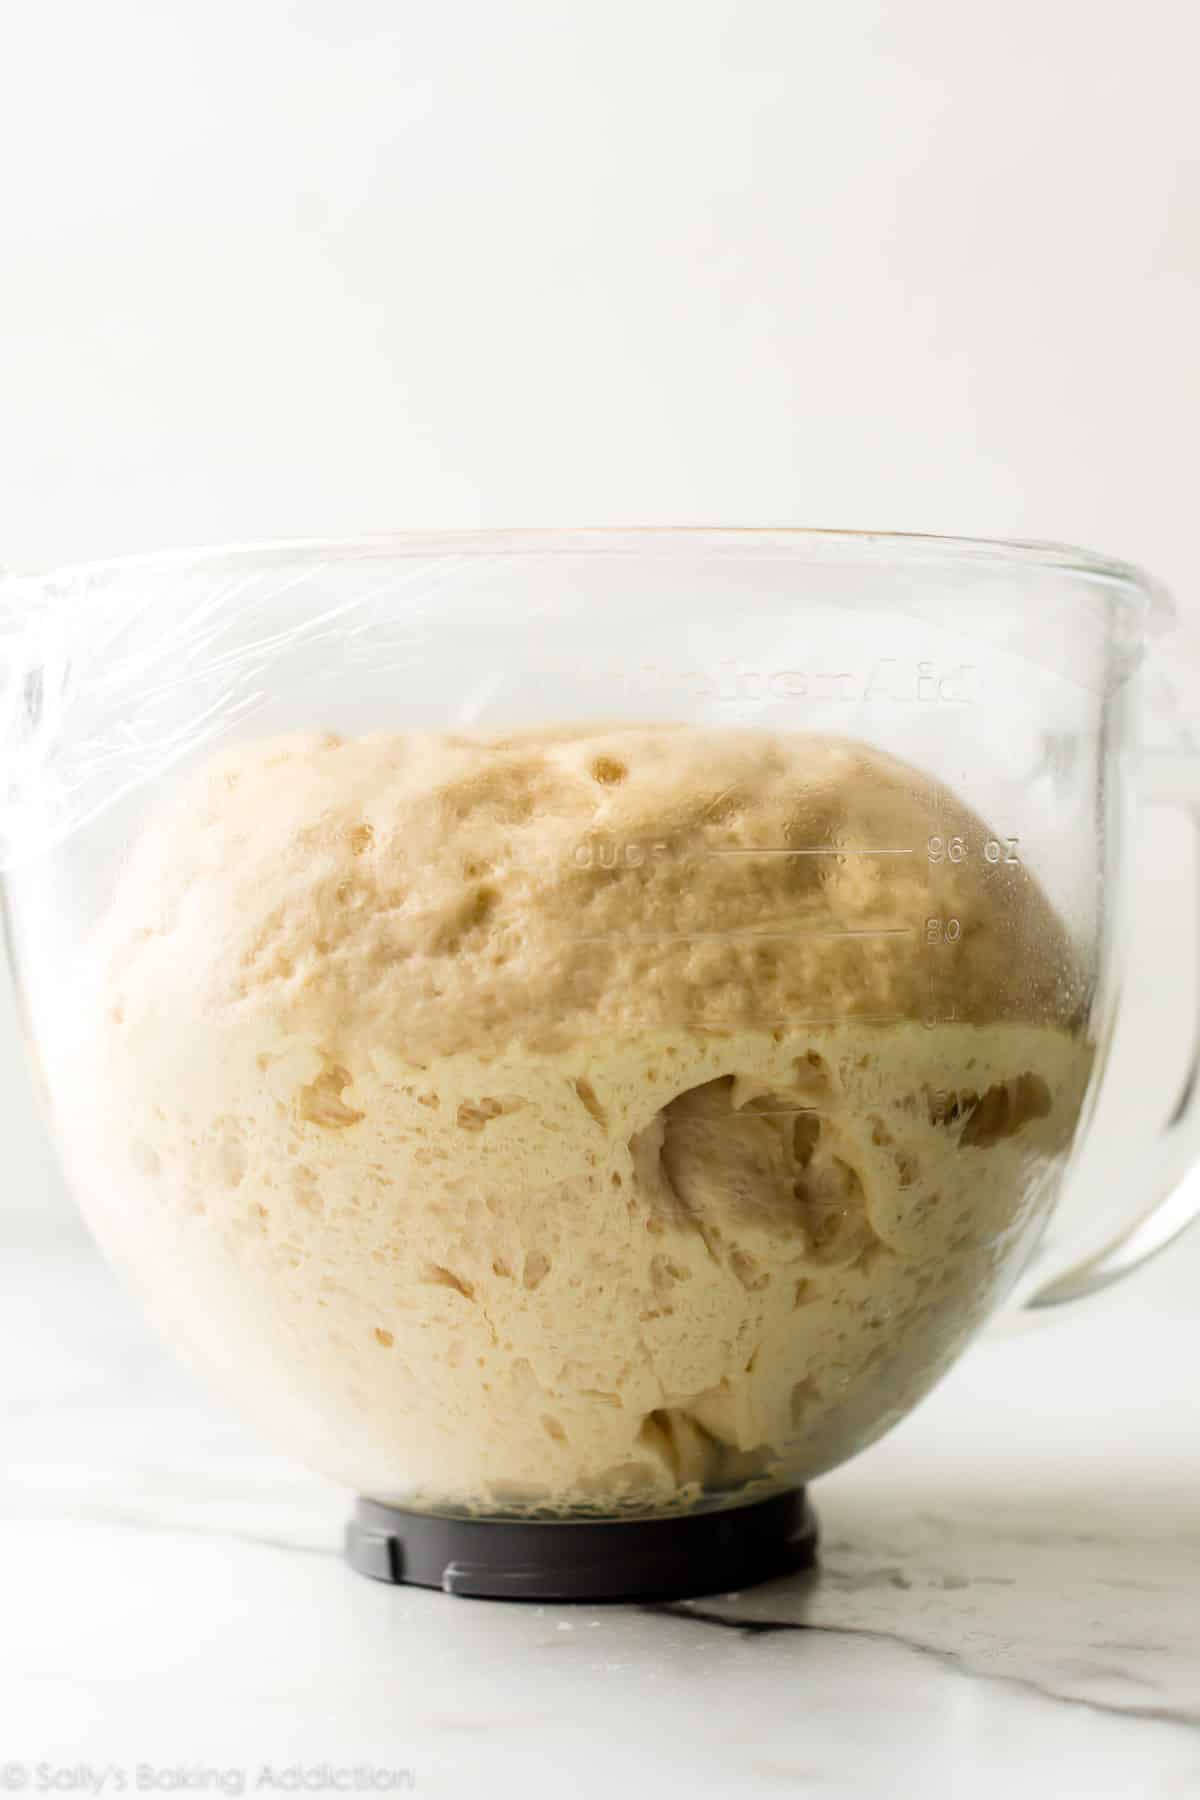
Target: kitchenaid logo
<point x="886" y="678"/>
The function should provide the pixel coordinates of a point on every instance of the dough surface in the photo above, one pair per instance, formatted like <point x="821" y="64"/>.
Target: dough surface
<point x="577" y="1120"/>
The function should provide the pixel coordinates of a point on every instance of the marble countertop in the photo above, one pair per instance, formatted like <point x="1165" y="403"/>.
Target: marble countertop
<point x="1008" y="1598"/>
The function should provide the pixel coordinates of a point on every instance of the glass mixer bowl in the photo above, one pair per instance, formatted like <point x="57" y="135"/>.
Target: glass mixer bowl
<point x="574" y="1032"/>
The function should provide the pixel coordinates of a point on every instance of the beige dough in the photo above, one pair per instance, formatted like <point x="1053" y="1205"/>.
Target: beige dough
<point x="574" y="1121"/>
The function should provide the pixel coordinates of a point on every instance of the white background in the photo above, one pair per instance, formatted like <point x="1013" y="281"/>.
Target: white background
<point x="278" y="269"/>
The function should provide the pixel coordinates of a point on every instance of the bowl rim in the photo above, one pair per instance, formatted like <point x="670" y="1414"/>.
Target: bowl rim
<point x="808" y="542"/>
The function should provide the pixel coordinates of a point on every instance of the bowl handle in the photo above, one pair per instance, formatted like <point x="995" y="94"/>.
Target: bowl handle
<point x="1165" y="777"/>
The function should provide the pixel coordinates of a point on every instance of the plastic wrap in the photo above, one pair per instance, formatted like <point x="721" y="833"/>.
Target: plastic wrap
<point x="112" y="673"/>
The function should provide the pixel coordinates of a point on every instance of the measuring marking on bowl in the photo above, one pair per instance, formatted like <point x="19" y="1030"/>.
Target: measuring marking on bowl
<point x="732" y="1022"/>
<point x="743" y="937"/>
<point x="820" y="850"/>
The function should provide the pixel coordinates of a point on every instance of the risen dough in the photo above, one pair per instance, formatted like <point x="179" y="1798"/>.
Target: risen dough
<point x="574" y="1120"/>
